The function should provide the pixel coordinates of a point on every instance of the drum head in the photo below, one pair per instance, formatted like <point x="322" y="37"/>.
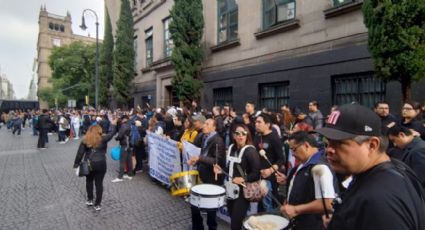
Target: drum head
<point x="207" y="189"/>
<point x="278" y="222"/>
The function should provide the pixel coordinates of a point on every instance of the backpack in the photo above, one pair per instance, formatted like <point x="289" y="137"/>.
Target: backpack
<point x="65" y="123"/>
<point x="135" y="137"/>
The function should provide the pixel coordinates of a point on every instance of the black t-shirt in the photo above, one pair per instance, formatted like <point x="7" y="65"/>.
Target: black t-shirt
<point x="273" y="147"/>
<point x="380" y="198"/>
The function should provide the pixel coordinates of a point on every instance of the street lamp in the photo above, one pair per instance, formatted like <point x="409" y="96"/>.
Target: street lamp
<point x="84" y="27"/>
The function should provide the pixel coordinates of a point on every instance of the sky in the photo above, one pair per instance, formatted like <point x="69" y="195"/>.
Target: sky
<point x="19" y="32"/>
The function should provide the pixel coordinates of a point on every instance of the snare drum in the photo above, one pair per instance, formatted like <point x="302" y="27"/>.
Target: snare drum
<point x="182" y="182"/>
<point x="207" y="196"/>
<point x="265" y="221"/>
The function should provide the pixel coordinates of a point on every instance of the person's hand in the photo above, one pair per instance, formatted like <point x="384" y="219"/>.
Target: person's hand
<point x="217" y="169"/>
<point x="114" y="121"/>
<point x="289" y="210"/>
<point x="280" y="178"/>
<point x="193" y="160"/>
<point x="326" y="221"/>
<point x="266" y="172"/>
<point x="238" y="180"/>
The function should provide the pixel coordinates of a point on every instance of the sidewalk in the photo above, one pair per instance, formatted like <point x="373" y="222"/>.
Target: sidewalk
<point x="39" y="190"/>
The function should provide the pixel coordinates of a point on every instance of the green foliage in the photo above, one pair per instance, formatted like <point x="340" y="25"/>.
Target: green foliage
<point x="73" y="68"/>
<point x="186" y="30"/>
<point x="124" y="55"/>
<point x="106" y="62"/>
<point x="50" y="94"/>
<point x="397" y="39"/>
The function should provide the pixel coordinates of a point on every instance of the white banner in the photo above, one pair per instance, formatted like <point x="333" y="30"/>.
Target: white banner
<point x="164" y="157"/>
<point x="189" y="150"/>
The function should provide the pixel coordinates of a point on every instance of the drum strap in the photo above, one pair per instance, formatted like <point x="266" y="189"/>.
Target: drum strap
<point x="232" y="160"/>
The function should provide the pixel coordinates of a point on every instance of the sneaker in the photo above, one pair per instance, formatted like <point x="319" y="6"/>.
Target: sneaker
<point x="116" y="180"/>
<point x="89" y="203"/>
<point x="127" y="177"/>
<point x="62" y="142"/>
<point x="97" y="207"/>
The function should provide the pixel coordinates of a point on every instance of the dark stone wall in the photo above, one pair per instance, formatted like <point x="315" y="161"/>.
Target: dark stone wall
<point x="310" y="78"/>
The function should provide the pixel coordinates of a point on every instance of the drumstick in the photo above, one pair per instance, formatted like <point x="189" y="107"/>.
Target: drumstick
<point x="263" y="154"/>
<point x="318" y="171"/>
<point x="216" y="160"/>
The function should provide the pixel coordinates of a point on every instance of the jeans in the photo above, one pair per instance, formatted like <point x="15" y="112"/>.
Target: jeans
<point x="62" y="135"/>
<point x="237" y="209"/>
<point x="42" y="138"/>
<point x="97" y="173"/>
<point x="197" y="223"/>
<point x="126" y="154"/>
<point x="267" y="201"/>
<point x="17" y="128"/>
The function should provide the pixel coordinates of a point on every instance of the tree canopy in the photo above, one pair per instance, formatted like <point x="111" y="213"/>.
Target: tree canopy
<point x="186" y="30"/>
<point x="73" y="68"/>
<point x="397" y="40"/>
<point x="106" y="62"/>
<point x="124" y="56"/>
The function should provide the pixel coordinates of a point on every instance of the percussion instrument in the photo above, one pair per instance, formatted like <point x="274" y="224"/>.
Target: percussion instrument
<point x="182" y="182"/>
<point x="265" y="221"/>
<point x="207" y="196"/>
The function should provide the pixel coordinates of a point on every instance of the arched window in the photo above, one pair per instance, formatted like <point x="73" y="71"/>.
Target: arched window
<point x="51" y="26"/>
<point x="62" y="28"/>
<point x="56" y="27"/>
<point x="277" y="11"/>
<point x="227" y="20"/>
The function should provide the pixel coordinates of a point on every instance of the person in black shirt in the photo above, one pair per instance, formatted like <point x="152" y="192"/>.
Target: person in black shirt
<point x="268" y="141"/>
<point x="383" y="110"/>
<point x="93" y="147"/>
<point x="413" y="148"/>
<point x="212" y="152"/>
<point x="241" y="156"/>
<point x="383" y="194"/>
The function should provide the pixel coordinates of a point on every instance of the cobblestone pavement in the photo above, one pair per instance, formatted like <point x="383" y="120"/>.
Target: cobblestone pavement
<point x="39" y="190"/>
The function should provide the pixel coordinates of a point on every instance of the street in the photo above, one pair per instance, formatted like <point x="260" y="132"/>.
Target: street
<point x="39" y="190"/>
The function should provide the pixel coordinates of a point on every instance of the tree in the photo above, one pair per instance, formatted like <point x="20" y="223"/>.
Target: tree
<point x="397" y="40"/>
<point x="124" y="55"/>
<point x="186" y="29"/>
<point x="106" y="62"/>
<point x="73" y="68"/>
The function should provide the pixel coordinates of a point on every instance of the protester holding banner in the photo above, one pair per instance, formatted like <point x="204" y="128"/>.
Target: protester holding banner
<point x="212" y="152"/>
<point x="241" y="156"/>
<point x="189" y="134"/>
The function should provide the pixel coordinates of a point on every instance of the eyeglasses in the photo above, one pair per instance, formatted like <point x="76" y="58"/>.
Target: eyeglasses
<point x="407" y="108"/>
<point x="294" y="149"/>
<point x="240" y="133"/>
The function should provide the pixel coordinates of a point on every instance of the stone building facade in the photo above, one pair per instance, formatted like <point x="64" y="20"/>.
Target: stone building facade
<point x="54" y="30"/>
<point x="272" y="52"/>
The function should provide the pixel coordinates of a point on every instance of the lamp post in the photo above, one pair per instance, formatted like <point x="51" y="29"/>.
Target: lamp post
<point x="84" y="27"/>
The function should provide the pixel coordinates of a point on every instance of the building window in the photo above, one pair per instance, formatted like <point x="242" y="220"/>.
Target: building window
<point x="62" y="28"/>
<point x="227" y="20"/>
<point x="364" y="89"/>
<point x="223" y="96"/>
<point x="51" y="26"/>
<point x="56" y="42"/>
<point x="277" y="11"/>
<point x="274" y="95"/>
<point x="149" y="46"/>
<point x="135" y="53"/>
<point x="336" y="3"/>
<point x="168" y="42"/>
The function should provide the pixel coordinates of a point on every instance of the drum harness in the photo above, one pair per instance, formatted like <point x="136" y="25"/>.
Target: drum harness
<point x="232" y="190"/>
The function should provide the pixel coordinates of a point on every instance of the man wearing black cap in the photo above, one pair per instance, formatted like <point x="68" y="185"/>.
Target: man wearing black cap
<point x="383" y="194"/>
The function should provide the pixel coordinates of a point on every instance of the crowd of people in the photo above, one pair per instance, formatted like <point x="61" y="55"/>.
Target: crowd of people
<point x="357" y="168"/>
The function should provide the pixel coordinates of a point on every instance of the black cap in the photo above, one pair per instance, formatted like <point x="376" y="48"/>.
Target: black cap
<point x="349" y="121"/>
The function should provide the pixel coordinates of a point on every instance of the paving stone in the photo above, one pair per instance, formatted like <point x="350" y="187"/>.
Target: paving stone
<point x="39" y="190"/>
